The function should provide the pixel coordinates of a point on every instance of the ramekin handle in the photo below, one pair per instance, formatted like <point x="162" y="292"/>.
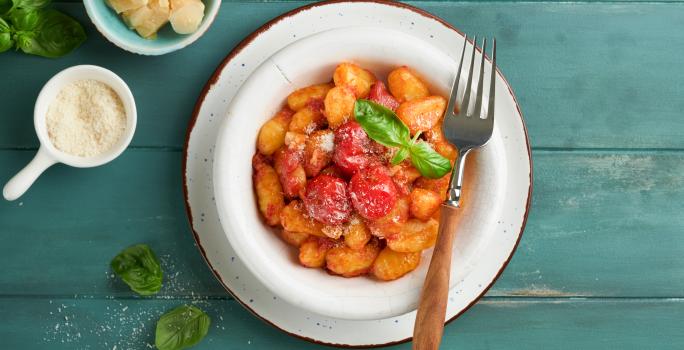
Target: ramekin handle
<point x="21" y="182"/>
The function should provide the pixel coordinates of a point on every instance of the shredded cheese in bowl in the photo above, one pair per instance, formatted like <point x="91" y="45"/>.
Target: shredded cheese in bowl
<point x="87" y="118"/>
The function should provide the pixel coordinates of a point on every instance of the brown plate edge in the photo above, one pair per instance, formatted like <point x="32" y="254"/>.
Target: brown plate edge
<point x="213" y="80"/>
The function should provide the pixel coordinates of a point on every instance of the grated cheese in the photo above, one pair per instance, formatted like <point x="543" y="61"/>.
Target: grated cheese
<point x="87" y="118"/>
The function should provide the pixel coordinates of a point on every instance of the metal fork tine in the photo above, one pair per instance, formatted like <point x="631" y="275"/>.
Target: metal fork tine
<point x="466" y="97"/>
<point x="454" y="89"/>
<point x="477" y="112"/>
<point x="492" y="84"/>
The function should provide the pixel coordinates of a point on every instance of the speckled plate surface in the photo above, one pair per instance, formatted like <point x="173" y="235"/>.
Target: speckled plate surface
<point x="514" y="174"/>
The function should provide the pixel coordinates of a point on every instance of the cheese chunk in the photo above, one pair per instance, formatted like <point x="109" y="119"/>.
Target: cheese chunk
<point x="125" y="5"/>
<point x="187" y="18"/>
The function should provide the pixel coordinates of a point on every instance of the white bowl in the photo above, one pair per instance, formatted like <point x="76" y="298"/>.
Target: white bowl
<point x="312" y="60"/>
<point x="48" y="154"/>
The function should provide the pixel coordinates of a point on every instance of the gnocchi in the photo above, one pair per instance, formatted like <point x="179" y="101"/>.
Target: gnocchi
<point x="306" y="120"/>
<point x="293" y="238"/>
<point x="339" y="105"/>
<point x="272" y="133"/>
<point x="424" y="203"/>
<point x="293" y="219"/>
<point x="357" y="233"/>
<point x="415" y="236"/>
<point x="331" y="191"/>
<point x="304" y="96"/>
<point x="405" y="85"/>
<point x="348" y="262"/>
<point x="356" y="78"/>
<point x="269" y="192"/>
<point x="313" y="251"/>
<point x="440" y="186"/>
<point x="390" y="265"/>
<point x="423" y="113"/>
<point x="392" y="222"/>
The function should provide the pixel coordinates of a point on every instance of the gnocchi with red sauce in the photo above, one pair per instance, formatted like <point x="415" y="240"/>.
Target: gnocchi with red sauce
<point x="332" y="192"/>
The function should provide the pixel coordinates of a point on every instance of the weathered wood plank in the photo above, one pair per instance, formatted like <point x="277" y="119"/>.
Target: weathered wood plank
<point x="492" y="324"/>
<point x="586" y="74"/>
<point x="60" y="237"/>
<point x="601" y="225"/>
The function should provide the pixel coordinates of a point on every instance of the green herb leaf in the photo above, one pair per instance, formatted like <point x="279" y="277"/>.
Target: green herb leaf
<point x="139" y="268"/>
<point x="24" y="20"/>
<point x="5" y="5"/>
<point x="47" y="33"/>
<point x="399" y="157"/>
<point x="181" y="328"/>
<point x="6" y="41"/>
<point x="30" y="4"/>
<point x="381" y="124"/>
<point x="4" y="26"/>
<point x="430" y="163"/>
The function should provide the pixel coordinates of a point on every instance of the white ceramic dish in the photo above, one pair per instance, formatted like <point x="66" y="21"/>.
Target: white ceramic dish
<point x="270" y="259"/>
<point x="213" y="241"/>
<point x="48" y="154"/>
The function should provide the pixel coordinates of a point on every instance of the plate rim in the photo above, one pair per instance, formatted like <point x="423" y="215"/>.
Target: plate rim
<point x="214" y="79"/>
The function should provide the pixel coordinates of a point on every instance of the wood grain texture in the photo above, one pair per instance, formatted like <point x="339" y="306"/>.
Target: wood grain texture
<point x="600" y="263"/>
<point x="590" y="75"/>
<point x="601" y="224"/>
<point x="69" y="324"/>
<point x="427" y="332"/>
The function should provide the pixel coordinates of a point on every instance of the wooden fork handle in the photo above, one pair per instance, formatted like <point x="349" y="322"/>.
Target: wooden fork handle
<point x="429" y="326"/>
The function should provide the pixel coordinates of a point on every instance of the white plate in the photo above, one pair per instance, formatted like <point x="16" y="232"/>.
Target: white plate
<point x="312" y="60"/>
<point x="505" y="161"/>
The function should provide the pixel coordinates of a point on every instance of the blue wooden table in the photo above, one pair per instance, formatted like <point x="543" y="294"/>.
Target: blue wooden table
<point x="601" y="263"/>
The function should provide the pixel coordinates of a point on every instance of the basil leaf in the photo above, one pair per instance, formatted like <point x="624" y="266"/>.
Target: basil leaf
<point x="5" y="5"/>
<point x="381" y="124"/>
<point x="399" y="157"/>
<point x="54" y="35"/>
<point x="4" y="26"/>
<point x="30" y="4"/>
<point x="139" y="268"/>
<point x="6" y="41"/>
<point x="24" y="20"/>
<point x="430" y="163"/>
<point x="181" y="328"/>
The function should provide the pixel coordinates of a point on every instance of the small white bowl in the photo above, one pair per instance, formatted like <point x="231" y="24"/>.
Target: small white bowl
<point x="48" y="154"/>
<point x="313" y="60"/>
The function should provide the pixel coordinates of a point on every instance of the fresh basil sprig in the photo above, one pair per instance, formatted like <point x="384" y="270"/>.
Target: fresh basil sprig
<point x="139" y="268"/>
<point x="383" y="126"/>
<point x="28" y="26"/>
<point x="181" y="328"/>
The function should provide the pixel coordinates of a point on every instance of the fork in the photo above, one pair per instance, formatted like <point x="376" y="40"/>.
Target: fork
<point x="466" y="132"/>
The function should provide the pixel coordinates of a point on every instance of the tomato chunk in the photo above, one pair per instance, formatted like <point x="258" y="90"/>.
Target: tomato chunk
<point x="327" y="201"/>
<point x="380" y="95"/>
<point x="352" y="148"/>
<point x="290" y="171"/>
<point x="373" y="192"/>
